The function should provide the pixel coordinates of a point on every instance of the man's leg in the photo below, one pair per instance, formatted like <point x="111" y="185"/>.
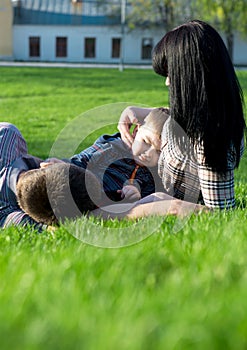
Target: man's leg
<point x="12" y="144"/>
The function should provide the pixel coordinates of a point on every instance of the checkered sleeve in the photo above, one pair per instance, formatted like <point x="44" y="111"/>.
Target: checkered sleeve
<point x="84" y="157"/>
<point x="81" y="159"/>
<point x="93" y="154"/>
<point x="217" y="188"/>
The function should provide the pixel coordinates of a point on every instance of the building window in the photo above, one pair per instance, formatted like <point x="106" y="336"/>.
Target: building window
<point x="61" y="47"/>
<point x="116" y="47"/>
<point x="34" y="46"/>
<point x="147" y="46"/>
<point x="89" y="48"/>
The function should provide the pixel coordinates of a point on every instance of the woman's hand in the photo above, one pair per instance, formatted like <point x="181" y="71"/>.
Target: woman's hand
<point x="130" y="116"/>
<point x="174" y="207"/>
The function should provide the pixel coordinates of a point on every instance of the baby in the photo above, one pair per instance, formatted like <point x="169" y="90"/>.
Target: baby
<point x="129" y="174"/>
<point x="125" y="173"/>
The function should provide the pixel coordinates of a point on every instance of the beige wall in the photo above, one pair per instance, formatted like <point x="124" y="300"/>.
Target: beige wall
<point x="6" y="19"/>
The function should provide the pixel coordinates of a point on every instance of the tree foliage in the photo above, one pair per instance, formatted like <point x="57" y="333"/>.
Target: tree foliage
<point x="157" y="13"/>
<point x="228" y="16"/>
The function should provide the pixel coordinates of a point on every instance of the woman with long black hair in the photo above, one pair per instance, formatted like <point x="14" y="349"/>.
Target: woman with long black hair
<point x="203" y="139"/>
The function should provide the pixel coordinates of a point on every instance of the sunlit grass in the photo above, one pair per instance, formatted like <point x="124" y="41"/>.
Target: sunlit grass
<point x="182" y="289"/>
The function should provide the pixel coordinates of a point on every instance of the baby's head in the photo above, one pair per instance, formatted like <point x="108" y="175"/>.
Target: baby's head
<point x="147" y="142"/>
<point x="56" y="192"/>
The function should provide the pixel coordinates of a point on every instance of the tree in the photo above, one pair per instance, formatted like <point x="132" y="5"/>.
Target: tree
<point x="228" y="16"/>
<point x="149" y="13"/>
<point x="157" y="13"/>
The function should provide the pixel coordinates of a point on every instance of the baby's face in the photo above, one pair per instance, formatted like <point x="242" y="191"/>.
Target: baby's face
<point x="146" y="147"/>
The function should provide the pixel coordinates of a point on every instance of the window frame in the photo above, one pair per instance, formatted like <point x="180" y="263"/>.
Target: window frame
<point x="116" y="48"/>
<point x="90" y="48"/>
<point x="34" y="46"/>
<point x="61" y="47"/>
<point x="146" y="50"/>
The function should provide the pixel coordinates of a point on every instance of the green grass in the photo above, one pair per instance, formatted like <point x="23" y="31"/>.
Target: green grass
<point x="183" y="289"/>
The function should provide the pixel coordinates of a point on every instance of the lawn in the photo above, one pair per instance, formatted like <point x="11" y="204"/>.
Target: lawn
<point x="172" y="285"/>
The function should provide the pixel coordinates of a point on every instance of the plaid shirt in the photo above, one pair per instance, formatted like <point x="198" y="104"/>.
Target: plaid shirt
<point x="13" y="159"/>
<point x="185" y="175"/>
<point x="112" y="162"/>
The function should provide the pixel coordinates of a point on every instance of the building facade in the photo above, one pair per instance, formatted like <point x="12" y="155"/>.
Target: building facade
<point x="78" y="31"/>
<point x="6" y="30"/>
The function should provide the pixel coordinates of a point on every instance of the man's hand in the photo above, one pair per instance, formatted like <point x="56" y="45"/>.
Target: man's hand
<point x="50" y="161"/>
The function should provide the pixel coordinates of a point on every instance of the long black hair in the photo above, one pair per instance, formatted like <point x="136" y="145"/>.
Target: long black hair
<point x="206" y="99"/>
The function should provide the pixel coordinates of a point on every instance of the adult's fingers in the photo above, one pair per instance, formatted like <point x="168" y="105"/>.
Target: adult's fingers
<point x="127" y="138"/>
<point x="127" y="119"/>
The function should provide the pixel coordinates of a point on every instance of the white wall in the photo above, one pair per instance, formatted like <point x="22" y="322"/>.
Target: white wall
<point x="240" y="50"/>
<point x="75" y="50"/>
<point x="103" y="35"/>
<point x="48" y="34"/>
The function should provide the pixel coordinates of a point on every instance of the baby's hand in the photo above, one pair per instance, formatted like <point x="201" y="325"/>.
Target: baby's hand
<point x="50" y="161"/>
<point x="130" y="192"/>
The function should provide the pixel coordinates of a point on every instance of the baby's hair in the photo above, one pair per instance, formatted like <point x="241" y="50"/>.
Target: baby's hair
<point x="156" y="118"/>
<point x="49" y="195"/>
